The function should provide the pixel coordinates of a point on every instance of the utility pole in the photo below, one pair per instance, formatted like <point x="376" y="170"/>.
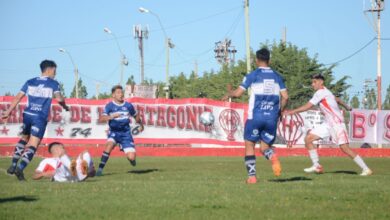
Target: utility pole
<point x="247" y="38"/>
<point x="225" y="52"/>
<point x="284" y="35"/>
<point x="97" y="90"/>
<point x="376" y="7"/>
<point x="141" y="34"/>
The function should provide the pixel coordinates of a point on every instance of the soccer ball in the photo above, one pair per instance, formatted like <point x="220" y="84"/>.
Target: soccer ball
<point x="206" y="118"/>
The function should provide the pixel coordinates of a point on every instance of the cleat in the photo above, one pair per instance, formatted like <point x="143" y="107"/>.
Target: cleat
<point x="276" y="167"/>
<point x="19" y="174"/>
<point x="133" y="163"/>
<point x="11" y="170"/>
<point x="251" y="180"/>
<point x="366" y="172"/>
<point x="73" y="166"/>
<point x="99" y="173"/>
<point x="314" y="169"/>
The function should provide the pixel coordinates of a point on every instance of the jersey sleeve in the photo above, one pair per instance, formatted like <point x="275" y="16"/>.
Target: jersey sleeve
<point x="56" y="87"/>
<point x="44" y="166"/>
<point x="282" y="86"/>
<point x="247" y="81"/>
<point x="107" y="110"/>
<point x="317" y="97"/>
<point x="132" y="110"/>
<point x="24" y="88"/>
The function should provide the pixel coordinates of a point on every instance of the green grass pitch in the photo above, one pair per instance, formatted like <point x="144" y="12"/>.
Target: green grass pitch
<point x="203" y="188"/>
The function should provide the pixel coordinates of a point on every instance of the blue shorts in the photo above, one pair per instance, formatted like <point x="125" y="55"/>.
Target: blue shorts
<point x="34" y="125"/>
<point x="124" y="139"/>
<point x="261" y="130"/>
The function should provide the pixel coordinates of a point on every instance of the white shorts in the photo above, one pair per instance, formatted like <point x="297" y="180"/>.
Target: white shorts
<point x="337" y="132"/>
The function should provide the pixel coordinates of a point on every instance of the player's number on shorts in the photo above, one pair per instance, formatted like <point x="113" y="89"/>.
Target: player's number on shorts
<point x="85" y="132"/>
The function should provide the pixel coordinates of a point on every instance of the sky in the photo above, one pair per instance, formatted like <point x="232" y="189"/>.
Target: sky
<point x="34" y="30"/>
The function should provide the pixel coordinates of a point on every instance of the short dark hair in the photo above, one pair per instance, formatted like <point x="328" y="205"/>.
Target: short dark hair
<point x="318" y="76"/>
<point x="263" y="54"/>
<point x="115" y="88"/>
<point x="52" y="144"/>
<point x="47" y="64"/>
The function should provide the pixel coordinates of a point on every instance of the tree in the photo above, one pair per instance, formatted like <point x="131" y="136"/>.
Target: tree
<point x="82" y="90"/>
<point x="8" y="94"/>
<point x="105" y="95"/>
<point x="369" y="99"/>
<point x="62" y="90"/>
<point x="130" y="80"/>
<point x="386" y="103"/>
<point x="355" y="102"/>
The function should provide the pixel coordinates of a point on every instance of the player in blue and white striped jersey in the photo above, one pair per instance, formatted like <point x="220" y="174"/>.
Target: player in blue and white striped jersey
<point x="268" y="97"/>
<point x="39" y="92"/>
<point x="118" y="113"/>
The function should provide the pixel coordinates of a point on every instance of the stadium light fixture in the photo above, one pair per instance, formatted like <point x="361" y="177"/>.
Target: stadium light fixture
<point x="168" y="45"/>
<point x="76" y="71"/>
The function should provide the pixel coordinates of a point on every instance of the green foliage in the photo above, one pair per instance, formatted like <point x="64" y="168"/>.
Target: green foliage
<point x="105" y="95"/>
<point x="293" y="63"/>
<point x="82" y="90"/>
<point x="62" y="90"/>
<point x="386" y="103"/>
<point x="369" y="100"/>
<point x="355" y="102"/>
<point x="130" y="80"/>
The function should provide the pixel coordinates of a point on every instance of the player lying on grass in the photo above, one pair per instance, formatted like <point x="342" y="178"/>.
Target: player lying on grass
<point x="61" y="168"/>
<point x="267" y="98"/>
<point x="334" y="125"/>
<point x="117" y="113"/>
<point x="39" y="92"/>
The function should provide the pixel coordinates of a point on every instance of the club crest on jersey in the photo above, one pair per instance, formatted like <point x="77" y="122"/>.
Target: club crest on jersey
<point x="255" y="132"/>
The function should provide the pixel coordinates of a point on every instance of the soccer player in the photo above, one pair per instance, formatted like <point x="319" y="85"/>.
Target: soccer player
<point x="39" y="91"/>
<point x="61" y="168"/>
<point x="268" y="97"/>
<point x="118" y="113"/>
<point x="334" y="125"/>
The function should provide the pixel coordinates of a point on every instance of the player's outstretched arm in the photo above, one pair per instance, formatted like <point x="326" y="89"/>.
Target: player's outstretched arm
<point x="39" y="175"/>
<point x="233" y="94"/>
<point x="14" y="103"/>
<point x="303" y="108"/>
<point x="343" y="104"/>
<point x="139" y="121"/>
<point x="284" y="95"/>
<point x="61" y="101"/>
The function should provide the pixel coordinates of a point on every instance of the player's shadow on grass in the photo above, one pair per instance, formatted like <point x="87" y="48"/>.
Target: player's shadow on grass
<point x="19" y="199"/>
<point x="146" y="171"/>
<point x="292" y="179"/>
<point x="343" y="172"/>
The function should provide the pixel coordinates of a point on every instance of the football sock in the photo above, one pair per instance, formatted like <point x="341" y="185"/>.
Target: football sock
<point x="268" y="153"/>
<point x="133" y="162"/>
<point x="314" y="157"/>
<point x="19" y="148"/>
<point x="27" y="157"/>
<point x="250" y="163"/>
<point x="359" y="161"/>
<point x="104" y="160"/>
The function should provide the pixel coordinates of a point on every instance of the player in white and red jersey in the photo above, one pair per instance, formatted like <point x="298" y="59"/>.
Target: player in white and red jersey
<point x="61" y="168"/>
<point x="334" y="126"/>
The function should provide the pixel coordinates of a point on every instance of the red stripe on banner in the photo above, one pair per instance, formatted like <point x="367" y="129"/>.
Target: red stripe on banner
<point x="217" y="152"/>
<point x="136" y="140"/>
<point x="205" y="101"/>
